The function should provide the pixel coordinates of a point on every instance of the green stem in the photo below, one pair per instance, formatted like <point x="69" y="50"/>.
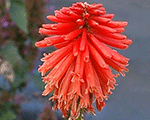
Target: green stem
<point x="81" y="116"/>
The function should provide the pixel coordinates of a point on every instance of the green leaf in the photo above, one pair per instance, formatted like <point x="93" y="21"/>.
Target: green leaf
<point x="4" y="107"/>
<point x="19" y="78"/>
<point x="10" y="53"/>
<point x="18" y="13"/>
<point x="9" y="115"/>
<point x="36" y="77"/>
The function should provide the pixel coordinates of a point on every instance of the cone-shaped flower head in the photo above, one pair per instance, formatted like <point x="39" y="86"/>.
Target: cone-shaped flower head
<point x="84" y="35"/>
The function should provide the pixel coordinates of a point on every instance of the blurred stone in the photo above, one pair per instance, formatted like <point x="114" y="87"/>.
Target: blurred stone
<point x="6" y="70"/>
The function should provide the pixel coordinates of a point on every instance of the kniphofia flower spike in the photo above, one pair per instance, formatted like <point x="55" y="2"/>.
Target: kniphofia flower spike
<point x="84" y="35"/>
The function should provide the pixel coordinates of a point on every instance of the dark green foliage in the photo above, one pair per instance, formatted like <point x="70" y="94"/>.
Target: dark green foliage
<point x="18" y="13"/>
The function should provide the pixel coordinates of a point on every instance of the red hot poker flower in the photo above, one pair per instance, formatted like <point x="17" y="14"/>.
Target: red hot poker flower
<point x="80" y="69"/>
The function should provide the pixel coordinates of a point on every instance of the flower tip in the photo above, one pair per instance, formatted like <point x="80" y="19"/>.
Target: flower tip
<point x="80" y="22"/>
<point x="86" y="15"/>
<point x="45" y="93"/>
<point x="123" y="74"/>
<point x="40" y="30"/>
<point x="125" y="23"/>
<point x="40" y="44"/>
<point x="112" y="15"/>
<point x="49" y="16"/>
<point x="125" y="46"/>
<point x="116" y="75"/>
<point x="75" y="53"/>
<point x="82" y="80"/>
<point x="130" y="42"/>
<point x="37" y="44"/>
<point x="44" y="54"/>
<point x="86" y="59"/>
<point x="43" y="25"/>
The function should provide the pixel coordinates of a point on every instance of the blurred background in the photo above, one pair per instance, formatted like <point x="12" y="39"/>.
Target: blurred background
<point x="21" y="85"/>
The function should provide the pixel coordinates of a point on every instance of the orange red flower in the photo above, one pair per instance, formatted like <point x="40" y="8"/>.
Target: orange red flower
<point x="84" y="35"/>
